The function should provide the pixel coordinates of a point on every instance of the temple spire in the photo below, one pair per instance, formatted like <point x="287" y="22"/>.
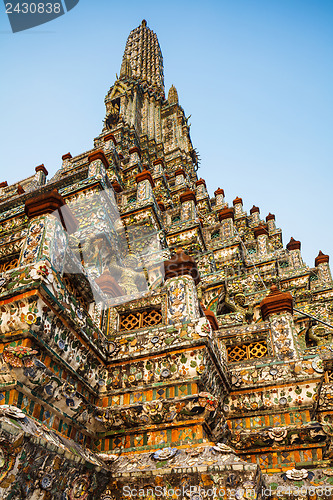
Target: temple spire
<point x="142" y="58"/>
<point x="173" y="95"/>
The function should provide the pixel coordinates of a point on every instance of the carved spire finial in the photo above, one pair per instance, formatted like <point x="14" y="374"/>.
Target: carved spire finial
<point x="125" y="70"/>
<point x="173" y="95"/>
<point x="143" y="57"/>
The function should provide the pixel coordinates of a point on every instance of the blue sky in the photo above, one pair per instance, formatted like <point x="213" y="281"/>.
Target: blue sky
<point x="256" y="76"/>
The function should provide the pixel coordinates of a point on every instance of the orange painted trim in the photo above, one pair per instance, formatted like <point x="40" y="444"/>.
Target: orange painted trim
<point x="198" y="424"/>
<point x="47" y="361"/>
<point x="149" y="395"/>
<point x="25" y="342"/>
<point x="36" y="411"/>
<point x="126" y="399"/>
<point x="135" y="212"/>
<point x="155" y="356"/>
<point x="267" y="387"/>
<point x="294" y="447"/>
<point x="18" y="297"/>
<point x="182" y="447"/>
<point x="12" y="394"/>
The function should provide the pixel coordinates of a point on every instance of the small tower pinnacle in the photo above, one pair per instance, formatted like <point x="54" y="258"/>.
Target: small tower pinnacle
<point x="173" y="95"/>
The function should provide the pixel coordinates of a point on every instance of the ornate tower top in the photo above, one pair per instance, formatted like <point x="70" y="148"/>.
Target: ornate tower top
<point x="142" y="58"/>
<point x="173" y="95"/>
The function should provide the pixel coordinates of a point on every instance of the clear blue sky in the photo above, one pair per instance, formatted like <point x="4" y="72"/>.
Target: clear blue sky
<point x="256" y="76"/>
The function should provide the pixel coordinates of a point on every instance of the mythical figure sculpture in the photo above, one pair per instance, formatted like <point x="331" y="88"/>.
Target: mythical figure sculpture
<point x="130" y="280"/>
<point x="226" y="305"/>
<point x="317" y="334"/>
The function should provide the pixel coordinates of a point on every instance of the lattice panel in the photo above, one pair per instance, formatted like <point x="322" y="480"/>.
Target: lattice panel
<point x="151" y="318"/>
<point x="247" y="351"/>
<point x="9" y="264"/>
<point x="142" y="319"/>
<point x="130" y="321"/>
<point x="236" y="353"/>
<point x="257" y="350"/>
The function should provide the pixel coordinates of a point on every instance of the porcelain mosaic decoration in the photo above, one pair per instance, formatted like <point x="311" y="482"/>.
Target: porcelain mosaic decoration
<point x="151" y="335"/>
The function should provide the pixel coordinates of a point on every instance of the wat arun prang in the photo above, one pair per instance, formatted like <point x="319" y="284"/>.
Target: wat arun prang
<point x="156" y="341"/>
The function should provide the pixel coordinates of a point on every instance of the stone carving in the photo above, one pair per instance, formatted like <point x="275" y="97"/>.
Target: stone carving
<point x="202" y="406"/>
<point x="316" y="334"/>
<point x="226" y="305"/>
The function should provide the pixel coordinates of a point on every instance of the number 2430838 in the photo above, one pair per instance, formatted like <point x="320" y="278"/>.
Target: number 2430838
<point x="33" y="8"/>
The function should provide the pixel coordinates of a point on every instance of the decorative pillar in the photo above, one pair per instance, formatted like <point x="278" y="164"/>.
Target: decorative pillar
<point x="180" y="177"/>
<point x="40" y="175"/>
<point x="3" y="185"/>
<point x="135" y="157"/>
<point x="117" y="187"/>
<point x="277" y="307"/>
<point x="255" y="215"/>
<point x="324" y="272"/>
<point x="158" y="166"/>
<point x="261" y="235"/>
<point x="98" y="164"/>
<point x="188" y="202"/>
<point x="202" y="196"/>
<point x="66" y="161"/>
<point x="295" y="257"/>
<point x="238" y="206"/>
<point x="270" y="219"/>
<point x="226" y="217"/>
<point x="181" y="277"/>
<point x="219" y="198"/>
<point x="201" y="189"/>
<point x="110" y="142"/>
<point x="145" y="184"/>
<point x="50" y="223"/>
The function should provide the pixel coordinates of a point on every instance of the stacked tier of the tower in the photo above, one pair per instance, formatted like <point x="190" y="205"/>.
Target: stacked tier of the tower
<point x="217" y="375"/>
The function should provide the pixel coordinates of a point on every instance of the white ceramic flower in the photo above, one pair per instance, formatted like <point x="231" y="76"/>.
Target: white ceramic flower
<point x="153" y="407"/>
<point x="297" y="474"/>
<point x="318" y="365"/>
<point x="42" y="271"/>
<point x="328" y="472"/>
<point x="223" y="448"/>
<point x="278" y="433"/>
<point x="165" y="453"/>
<point x="12" y="411"/>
